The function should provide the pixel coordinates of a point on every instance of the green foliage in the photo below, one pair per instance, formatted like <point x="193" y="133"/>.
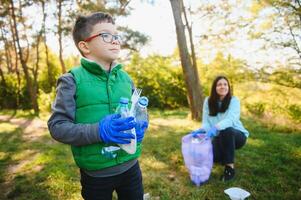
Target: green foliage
<point x="256" y="108"/>
<point x="294" y="111"/>
<point x="132" y="40"/>
<point x="45" y="100"/>
<point x="275" y="101"/>
<point x="161" y="81"/>
<point x="235" y="70"/>
<point x="287" y="77"/>
<point x="161" y="78"/>
<point x="7" y="95"/>
<point x="14" y="95"/>
<point x="48" y="81"/>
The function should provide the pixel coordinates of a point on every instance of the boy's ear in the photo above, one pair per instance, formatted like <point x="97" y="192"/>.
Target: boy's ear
<point x="84" y="47"/>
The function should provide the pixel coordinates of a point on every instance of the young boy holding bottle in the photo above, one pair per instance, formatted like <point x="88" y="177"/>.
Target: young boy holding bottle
<point x="83" y="110"/>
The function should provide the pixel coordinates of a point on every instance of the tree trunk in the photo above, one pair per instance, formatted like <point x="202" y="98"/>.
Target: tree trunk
<point x="16" y="65"/>
<point x="60" y="33"/>
<point x="189" y="28"/>
<point x="7" y="54"/>
<point x="190" y="72"/>
<point x="49" y="69"/>
<point x="32" y="92"/>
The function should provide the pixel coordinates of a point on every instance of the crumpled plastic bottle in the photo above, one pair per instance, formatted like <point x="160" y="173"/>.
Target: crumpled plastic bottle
<point x="123" y="110"/>
<point x="198" y="157"/>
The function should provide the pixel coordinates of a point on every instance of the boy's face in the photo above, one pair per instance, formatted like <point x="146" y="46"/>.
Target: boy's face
<point x="103" y="48"/>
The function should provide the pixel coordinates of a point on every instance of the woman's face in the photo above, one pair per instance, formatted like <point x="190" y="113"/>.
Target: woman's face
<point x="222" y="88"/>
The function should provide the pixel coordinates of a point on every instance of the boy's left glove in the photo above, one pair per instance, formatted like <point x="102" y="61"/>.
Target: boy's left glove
<point x="140" y="129"/>
<point x="112" y="127"/>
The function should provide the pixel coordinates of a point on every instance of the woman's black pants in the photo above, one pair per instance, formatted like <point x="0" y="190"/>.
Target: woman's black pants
<point x="225" y="143"/>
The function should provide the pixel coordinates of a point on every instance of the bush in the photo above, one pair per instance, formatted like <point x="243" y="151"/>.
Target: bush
<point x="294" y="112"/>
<point x="161" y="81"/>
<point x="10" y="97"/>
<point x="256" y="108"/>
<point x="45" y="100"/>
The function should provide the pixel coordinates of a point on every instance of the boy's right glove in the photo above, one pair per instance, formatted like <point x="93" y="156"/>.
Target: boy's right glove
<point x="112" y="127"/>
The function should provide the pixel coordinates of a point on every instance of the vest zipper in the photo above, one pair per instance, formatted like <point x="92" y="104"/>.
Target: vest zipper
<point x="108" y="92"/>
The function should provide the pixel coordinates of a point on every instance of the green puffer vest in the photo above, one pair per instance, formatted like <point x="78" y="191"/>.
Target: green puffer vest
<point x="97" y="95"/>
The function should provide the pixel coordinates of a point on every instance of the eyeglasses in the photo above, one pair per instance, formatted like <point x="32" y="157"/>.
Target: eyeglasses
<point x="107" y="37"/>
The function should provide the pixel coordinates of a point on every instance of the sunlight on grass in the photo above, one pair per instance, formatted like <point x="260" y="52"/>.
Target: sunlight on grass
<point x="153" y="163"/>
<point x="6" y="127"/>
<point x="255" y="142"/>
<point x="297" y="153"/>
<point x="18" y="113"/>
<point x="23" y="154"/>
<point x="178" y="123"/>
<point x="59" y="185"/>
<point x="2" y="155"/>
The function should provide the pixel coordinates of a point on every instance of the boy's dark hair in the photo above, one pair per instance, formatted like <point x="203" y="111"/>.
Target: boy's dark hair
<point x="84" y="25"/>
<point x="213" y="100"/>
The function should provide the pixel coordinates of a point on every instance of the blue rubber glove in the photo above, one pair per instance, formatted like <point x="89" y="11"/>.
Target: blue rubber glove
<point x="195" y="133"/>
<point x="140" y="128"/>
<point x="112" y="127"/>
<point x="212" y="132"/>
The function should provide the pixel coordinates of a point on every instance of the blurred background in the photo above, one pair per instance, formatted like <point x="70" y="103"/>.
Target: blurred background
<point x="255" y="43"/>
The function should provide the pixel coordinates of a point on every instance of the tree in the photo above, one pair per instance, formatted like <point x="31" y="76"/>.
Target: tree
<point x="23" y="58"/>
<point x="27" y="62"/>
<point x="132" y="40"/>
<point x="190" y="71"/>
<point x="281" y="28"/>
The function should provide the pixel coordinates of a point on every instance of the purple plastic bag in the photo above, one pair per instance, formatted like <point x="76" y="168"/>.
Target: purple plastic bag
<point x="198" y="157"/>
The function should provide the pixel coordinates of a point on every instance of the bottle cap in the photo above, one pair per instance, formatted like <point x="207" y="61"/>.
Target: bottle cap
<point x="143" y="101"/>
<point x="123" y="100"/>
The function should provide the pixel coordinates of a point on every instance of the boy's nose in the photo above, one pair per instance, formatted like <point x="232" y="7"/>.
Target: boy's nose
<point x="115" y="41"/>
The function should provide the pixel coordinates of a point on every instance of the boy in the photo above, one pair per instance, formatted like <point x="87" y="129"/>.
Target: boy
<point x="82" y="113"/>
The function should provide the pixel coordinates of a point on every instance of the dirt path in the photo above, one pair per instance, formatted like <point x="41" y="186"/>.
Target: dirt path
<point x="32" y="131"/>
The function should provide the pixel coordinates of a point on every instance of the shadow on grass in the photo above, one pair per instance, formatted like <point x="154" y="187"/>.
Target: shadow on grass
<point x="35" y="170"/>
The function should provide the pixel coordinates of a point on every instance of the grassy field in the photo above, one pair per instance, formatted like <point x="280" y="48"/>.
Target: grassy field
<point x="34" y="166"/>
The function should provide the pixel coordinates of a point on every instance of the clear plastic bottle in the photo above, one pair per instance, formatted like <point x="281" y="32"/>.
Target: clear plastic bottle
<point x="123" y="110"/>
<point x="140" y="112"/>
<point x="110" y="151"/>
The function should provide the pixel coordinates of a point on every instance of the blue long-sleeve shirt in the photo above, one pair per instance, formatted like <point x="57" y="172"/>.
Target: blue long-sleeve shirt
<point x="230" y="118"/>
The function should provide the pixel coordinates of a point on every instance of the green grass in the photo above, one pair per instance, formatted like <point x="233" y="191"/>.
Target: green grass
<point x="268" y="166"/>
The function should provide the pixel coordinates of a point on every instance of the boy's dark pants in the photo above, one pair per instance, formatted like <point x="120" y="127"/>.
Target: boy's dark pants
<point x="225" y="144"/>
<point x="128" y="185"/>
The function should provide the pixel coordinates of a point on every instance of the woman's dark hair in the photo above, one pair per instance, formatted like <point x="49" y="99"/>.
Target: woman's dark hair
<point x="213" y="100"/>
<point x="84" y="25"/>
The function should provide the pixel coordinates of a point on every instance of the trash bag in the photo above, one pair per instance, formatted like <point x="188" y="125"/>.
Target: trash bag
<point x="198" y="157"/>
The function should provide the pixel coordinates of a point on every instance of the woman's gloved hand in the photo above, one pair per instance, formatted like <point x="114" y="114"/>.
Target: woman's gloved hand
<point x="112" y="127"/>
<point x="195" y="133"/>
<point x="212" y="132"/>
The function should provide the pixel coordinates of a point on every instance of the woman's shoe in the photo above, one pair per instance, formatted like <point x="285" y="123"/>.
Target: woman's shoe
<point x="229" y="174"/>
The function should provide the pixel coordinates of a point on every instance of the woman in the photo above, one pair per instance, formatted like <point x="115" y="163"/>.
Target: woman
<point x="221" y="113"/>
